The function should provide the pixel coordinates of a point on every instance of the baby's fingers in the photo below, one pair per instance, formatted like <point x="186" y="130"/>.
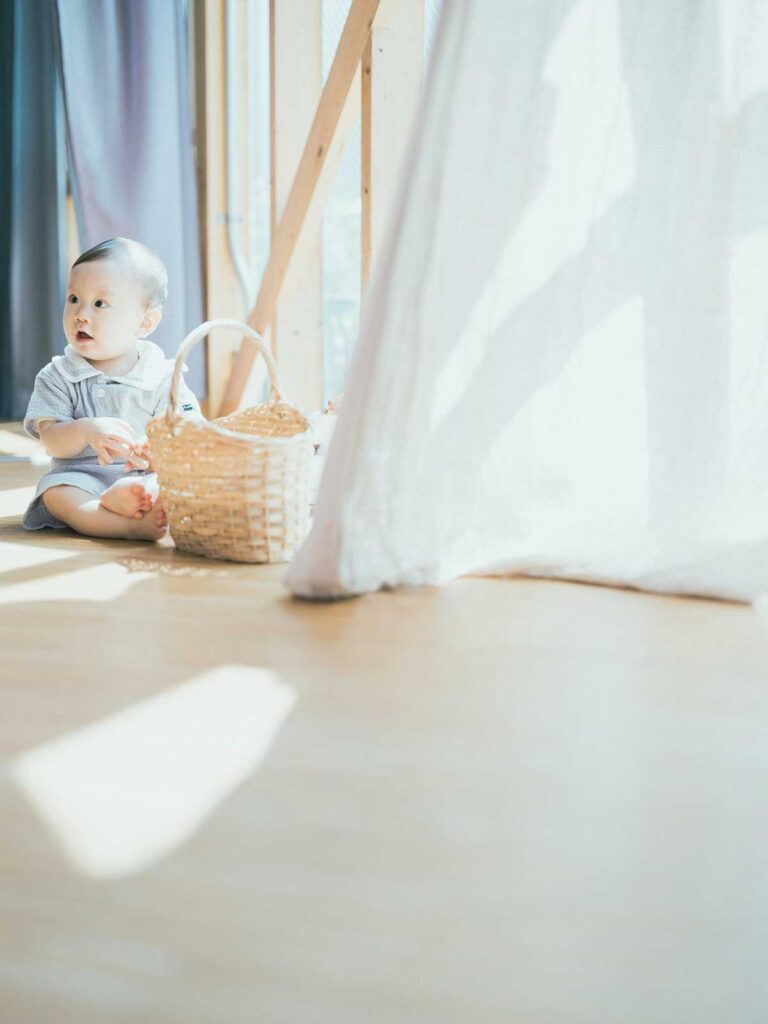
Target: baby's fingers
<point x="115" y="443"/>
<point x="120" y="427"/>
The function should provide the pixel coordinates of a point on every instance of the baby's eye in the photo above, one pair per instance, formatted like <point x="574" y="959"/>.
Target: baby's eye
<point x="72" y="298"/>
<point x="99" y="303"/>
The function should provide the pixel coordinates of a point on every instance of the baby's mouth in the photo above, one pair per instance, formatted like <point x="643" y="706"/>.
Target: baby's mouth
<point x="83" y="336"/>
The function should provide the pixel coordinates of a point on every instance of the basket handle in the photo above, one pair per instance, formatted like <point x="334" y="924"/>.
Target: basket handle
<point x="275" y="394"/>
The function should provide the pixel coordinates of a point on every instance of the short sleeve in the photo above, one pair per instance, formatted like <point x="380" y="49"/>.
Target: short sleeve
<point x="188" y="403"/>
<point x="51" y="400"/>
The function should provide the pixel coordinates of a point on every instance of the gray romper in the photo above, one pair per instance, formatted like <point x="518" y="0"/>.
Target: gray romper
<point x="70" y="388"/>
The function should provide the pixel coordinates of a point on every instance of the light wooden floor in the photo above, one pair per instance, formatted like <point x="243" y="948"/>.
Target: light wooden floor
<point x="498" y="802"/>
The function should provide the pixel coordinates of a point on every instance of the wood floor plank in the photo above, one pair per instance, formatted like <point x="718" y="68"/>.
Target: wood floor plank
<point x="501" y="800"/>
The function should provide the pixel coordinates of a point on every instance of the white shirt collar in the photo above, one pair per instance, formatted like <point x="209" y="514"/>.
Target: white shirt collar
<point x="150" y="371"/>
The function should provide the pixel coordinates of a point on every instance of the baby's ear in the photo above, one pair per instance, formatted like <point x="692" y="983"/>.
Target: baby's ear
<point x="151" y="318"/>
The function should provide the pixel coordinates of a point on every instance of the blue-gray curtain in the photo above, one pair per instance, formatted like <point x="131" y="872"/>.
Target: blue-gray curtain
<point x="126" y="84"/>
<point x="32" y="191"/>
<point x="6" y="128"/>
<point x="123" y="73"/>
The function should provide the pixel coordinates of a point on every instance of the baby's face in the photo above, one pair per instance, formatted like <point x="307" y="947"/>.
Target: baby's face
<point x="105" y="312"/>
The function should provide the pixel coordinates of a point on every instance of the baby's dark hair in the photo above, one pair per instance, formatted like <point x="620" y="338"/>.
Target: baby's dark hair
<point x="143" y="261"/>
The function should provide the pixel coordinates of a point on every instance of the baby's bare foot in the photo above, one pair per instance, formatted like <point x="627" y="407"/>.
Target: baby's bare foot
<point x="127" y="497"/>
<point x="152" y="525"/>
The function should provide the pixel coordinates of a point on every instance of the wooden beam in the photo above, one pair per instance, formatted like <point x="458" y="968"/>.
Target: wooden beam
<point x="297" y="330"/>
<point x="391" y="86"/>
<point x="197" y="49"/>
<point x="332" y="102"/>
<point x="222" y="291"/>
<point x="73" y="236"/>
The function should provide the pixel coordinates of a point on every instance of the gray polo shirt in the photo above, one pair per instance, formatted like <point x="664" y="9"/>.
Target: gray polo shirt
<point x="70" y="388"/>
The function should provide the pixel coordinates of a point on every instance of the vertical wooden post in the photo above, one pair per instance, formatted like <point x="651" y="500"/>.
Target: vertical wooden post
<point x="296" y="77"/>
<point x="391" y="85"/>
<point x="222" y="292"/>
<point x="73" y="235"/>
<point x="197" y="50"/>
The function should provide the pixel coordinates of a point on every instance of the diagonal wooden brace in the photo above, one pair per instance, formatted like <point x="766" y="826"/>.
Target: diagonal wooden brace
<point x="354" y="38"/>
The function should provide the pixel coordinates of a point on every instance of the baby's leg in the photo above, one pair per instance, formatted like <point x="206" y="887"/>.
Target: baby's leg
<point x="84" y="513"/>
<point x="132" y="496"/>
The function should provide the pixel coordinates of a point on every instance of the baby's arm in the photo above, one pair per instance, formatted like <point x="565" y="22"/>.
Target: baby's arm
<point x="107" y="436"/>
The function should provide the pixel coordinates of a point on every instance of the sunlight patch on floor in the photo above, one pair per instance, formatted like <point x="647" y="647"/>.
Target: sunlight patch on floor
<point x="95" y="583"/>
<point x="24" y="556"/>
<point x="122" y="793"/>
<point x="15" y="500"/>
<point x="21" y="446"/>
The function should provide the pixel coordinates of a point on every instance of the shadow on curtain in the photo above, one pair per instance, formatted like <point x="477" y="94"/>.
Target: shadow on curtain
<point x="563" y="363"/>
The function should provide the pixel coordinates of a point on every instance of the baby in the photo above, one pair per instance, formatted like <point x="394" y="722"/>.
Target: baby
<point x="90" y="407"/>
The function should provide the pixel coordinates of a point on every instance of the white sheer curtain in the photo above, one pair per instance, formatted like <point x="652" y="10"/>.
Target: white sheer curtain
<point x="563" y="364"/>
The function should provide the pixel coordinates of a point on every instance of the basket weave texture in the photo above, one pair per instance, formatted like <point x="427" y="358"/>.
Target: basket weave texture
<point x="235" y="488"/>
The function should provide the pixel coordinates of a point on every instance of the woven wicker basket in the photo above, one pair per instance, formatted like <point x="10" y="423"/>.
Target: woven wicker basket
<point x="235" y="488"/>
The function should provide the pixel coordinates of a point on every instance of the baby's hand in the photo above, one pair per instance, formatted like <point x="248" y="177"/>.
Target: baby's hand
<point x="140" y="457"/>
<point x="109" y="438"/>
